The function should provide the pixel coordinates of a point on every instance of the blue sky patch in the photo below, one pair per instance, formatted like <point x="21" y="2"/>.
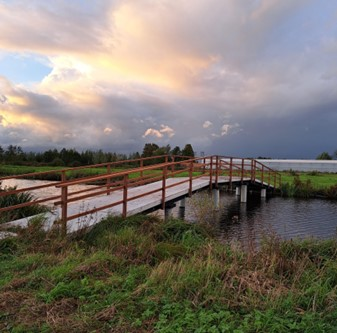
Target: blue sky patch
<point x="23" y="68"/>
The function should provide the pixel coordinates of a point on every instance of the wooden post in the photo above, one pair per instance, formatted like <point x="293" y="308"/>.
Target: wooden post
<point x="216" y="171"/>
<point x="211" y="174"/>
<point x="172" y="165"/>
<point x="163" y="193"/>
<point x="141" y="167"/>
<point x="190" y="175"/>
<point x="242" y="169"/>
<point x="230" y="172"/>
<point x="64" y="204"/>
<point x="125" y="196"/>
<point x="108" y="180"/>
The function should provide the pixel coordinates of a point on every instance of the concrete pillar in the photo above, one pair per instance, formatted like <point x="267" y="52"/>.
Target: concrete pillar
<point x="237" y="190"/>
<point x="182" y="203"/>
<point x="168" y="212"/>
<point x="216" y="198"/>
<point x="244" y="193"/>
<point x="263" y="193"/>
<point x="181" y="211"/>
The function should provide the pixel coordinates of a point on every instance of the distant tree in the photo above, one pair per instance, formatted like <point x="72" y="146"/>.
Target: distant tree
<point x="1" y="152"/>
<point x="188" y="150"/>
<point x="149" y="149"/>
<point x="50" y="155"/>
<point x="176" y="151"/>
<point x="324" y="156"/>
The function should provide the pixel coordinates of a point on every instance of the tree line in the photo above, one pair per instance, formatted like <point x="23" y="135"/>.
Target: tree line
<point x="71" y="157"/>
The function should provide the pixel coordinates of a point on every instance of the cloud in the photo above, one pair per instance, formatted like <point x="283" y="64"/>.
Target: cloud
<point x="207" y="124"/>
<point x="165" y="130"/>
<point x="122" y="70"/>
<point x="152" y="132"/>
<point x="229" y="129"/>
<point x="107" y="130"/>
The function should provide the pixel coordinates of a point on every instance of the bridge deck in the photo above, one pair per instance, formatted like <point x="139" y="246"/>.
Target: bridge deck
<point x="136" y="206"/>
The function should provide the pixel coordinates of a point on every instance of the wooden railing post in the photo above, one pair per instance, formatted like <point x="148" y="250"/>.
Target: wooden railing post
<point x="108" y="180"/>
<point x="64" y="204"/>
<point x="262" y="174"/>
<point x="190" y="172"/>
<point x="163" y="190"/>
<point x="211" y="174"/>
<point x="141" y="166"/>
<point x="230" y="172"/>
<point x="242" y="169"/>
<point x="172" y="165"/>
<point x="125" y="196"/>
<point x="216" y="171"/>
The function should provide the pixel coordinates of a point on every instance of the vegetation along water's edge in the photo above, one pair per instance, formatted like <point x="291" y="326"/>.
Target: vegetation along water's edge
<point x="146" y="275"/>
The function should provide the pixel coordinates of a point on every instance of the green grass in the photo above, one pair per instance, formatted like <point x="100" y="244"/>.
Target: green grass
<point x="318" y="179"/>
<point x="145" y="275"/>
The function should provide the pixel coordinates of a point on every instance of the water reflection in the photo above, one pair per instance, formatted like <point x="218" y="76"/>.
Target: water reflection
<point x="287" y="218"/>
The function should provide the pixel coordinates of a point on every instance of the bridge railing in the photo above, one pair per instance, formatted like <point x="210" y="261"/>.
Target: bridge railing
<point x="123" y="175"/>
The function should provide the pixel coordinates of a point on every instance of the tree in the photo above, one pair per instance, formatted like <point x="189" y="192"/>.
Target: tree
<point x="324" y="156"/>
<point x="149" y="149"/>
<point x="176" y="151"/>
<point x="188" y="150"/>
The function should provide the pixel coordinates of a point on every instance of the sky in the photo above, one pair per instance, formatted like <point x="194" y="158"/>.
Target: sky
<point x="243" y="78"/>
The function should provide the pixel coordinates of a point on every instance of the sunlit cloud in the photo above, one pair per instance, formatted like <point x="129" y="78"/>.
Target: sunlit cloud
<point x="107" y="130"/>
<point x="165" y="130"/>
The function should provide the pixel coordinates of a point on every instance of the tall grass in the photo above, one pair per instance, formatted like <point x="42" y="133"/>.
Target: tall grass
<point x="145" y="275"/>
<point x="16" y="199"/>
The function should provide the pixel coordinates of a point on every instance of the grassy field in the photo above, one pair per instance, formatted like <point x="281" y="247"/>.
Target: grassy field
<point x="146" y="275"/>
<point x="317" y="179"/>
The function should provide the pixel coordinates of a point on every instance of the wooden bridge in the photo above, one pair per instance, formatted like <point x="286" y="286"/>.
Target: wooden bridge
<point x="135" y="186"/>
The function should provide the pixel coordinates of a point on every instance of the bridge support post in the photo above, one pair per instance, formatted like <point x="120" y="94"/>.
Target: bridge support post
<point x="244" y="193"/>
<point x="169" y="211"/>
<point x="182" y="205"/>
<point x="237" y="190"/>
<point x="263" y="193"/>
<point x="216" y="198"/>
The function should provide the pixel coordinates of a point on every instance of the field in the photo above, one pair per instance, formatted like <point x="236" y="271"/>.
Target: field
<point x="146" y="275"/>
<point x="317" y="179"/>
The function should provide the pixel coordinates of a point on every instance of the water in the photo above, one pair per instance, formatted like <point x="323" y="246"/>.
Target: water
<point x="43" y="193"/>
<point x="288" y="218"/>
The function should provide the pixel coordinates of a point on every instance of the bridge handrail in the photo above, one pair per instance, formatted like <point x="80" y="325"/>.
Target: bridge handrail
<point x="212" y="166"/>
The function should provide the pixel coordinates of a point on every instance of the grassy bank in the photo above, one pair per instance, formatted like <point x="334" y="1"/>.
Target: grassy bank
<point x="309" y="185"/>
<point x="145" y="275"/>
